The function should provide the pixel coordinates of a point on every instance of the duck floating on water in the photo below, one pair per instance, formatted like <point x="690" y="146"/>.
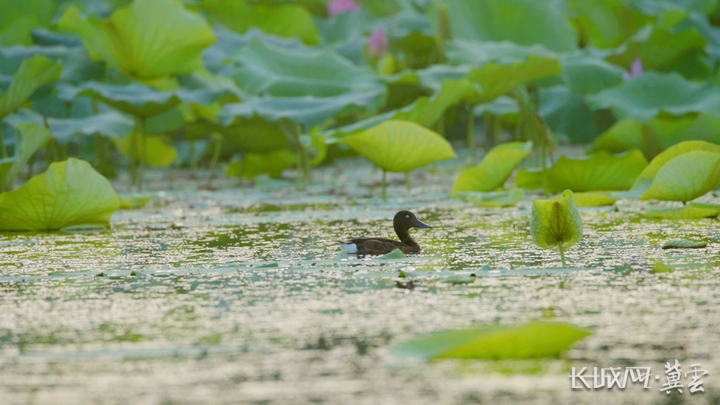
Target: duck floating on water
<point x="403" y="221"/>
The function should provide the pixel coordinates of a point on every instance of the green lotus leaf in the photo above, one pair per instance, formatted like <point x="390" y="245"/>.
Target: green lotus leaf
<point x="395" y="254"/>
<point x="670" y="131"/>
<point x="263" y="68"/>
<point x="33" y="73"/>
<point x="607" y="23"/>
<point x="473" y="53"/>
<point x="686" y="212"/>
<point x="110" y="124"/>
<point x="645" y="97"/>
<point x="498" y="79"/>
<point x="683" y="244"/>
<point x="19" y="18"/>
<point x="505" y="198"/>
<point x="76" y="63"/>
<point x="529" y="341"/>
<point x="69" y="193"/>
<point x="134" y="203"/>
<point x="500" y="107"/>
<point x="137" y="99"/>
<point x="686" y="177"/>
<point x="597" y="172"/>
<point x="400" y="146"/>
<point x="529" y="179"/>
<point x="307" y="111"/>
<point x="157" y="152"/>
<point x="556" y="223"/>
<point x="148" y="39"/>
<point x="646" y="178"/>
<point x="286" y="20"/>
<point x="255" y="164"/>
<point x="526" y="22"/>
<point x="593" y="199"/>
<point x="567" y="114"/>
<point x="32" y="137"/>
<point x="585" y="74"/>
<point x="621" y="137"/>
<point x="495" y="168"/>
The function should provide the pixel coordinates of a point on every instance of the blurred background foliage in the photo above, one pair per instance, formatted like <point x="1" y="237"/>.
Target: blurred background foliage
<point x="257" y="87"/>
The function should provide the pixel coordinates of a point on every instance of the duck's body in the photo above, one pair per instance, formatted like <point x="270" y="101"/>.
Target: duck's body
<point x="403" y="221"/>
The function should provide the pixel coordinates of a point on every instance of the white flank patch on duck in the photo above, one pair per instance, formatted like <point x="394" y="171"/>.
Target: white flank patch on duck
<point x="350" y="248"/>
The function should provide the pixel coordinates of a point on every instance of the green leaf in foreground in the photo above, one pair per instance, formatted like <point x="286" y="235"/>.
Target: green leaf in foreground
<point x="683" y="244"/>
<point x="556" y="223"/>
<point x="529" y="341"/>
<point x="593" y="199"/>
<point x="400" y="146"/>
<point x="495" y="168"/>
<point x="646" y="178"/>
<point x="33" y="73"/>
<point x="600" y="171"/>
<point x="686" y="177"/>
<point x="505" y="198"/>
<point x="69" y="193"/>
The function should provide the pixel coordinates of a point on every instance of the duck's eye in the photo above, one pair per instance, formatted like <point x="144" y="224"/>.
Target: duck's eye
<point x="407" y="216"/>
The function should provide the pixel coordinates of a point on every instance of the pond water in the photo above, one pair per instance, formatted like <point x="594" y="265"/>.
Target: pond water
<point x="234" y="296"/>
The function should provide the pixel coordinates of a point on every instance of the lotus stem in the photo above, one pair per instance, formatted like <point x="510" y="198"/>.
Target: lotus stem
<point x="562" y="254"/>
<point x="544" y="166"/>
<point x="384" y="186"/>
<point x="217" y="142"/>
<point x="2" y="145"/>
<point x="471" y="134"/>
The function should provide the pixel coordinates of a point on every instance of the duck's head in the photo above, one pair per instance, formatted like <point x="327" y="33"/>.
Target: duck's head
<point x="407" y="220"/>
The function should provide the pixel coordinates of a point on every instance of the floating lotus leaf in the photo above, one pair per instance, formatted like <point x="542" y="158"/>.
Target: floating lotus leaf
<point x="686" y="177"/>
<point x="646" y="178"/>
<point x="526" y="22"/>
<point x="683" y="244"/>
<point x="593" y="199"/>
<point x="686" y="212"/>
<point x="33" y="73"/>
<point x="400" y="146"/>
<point x="148" y="39"/>
<point x="645" y="97"/>
<point x="70" y="193"/>
<point x="505" y="198"/>
<point x="286" y="20"/>
<point x="556" y="223"/>
<point x="529" y="341"/>
<point x="600" y="171"/>
<point x="495" y="168"/>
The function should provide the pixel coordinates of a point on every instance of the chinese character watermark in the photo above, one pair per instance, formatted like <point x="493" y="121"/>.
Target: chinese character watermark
<point x="615" y="377"/>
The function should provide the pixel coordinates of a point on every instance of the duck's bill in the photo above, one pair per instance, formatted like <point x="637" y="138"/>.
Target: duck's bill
<point x="420" y="224"/>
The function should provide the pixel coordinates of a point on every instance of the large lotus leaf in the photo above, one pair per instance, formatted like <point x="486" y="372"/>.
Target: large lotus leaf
<point x="110" y="124"/>
<point x="529" y="341"/>
<point x="69" y="193"/>
<point x="598" y="172"/>
<point x="623" y="136"/>
<point x="585" y="74"/>
<point x="556" y="223"/>
<point x="33" y="73"/>
<point x="495" y="168"/>
<point x="149" y="39"/>
<point x="77" y="65"/>
<point x="18" y="18"/>
<point x="686" y="212"/>
<point x="671" y="131"/>
<point x="481" y="53"/>
<point x="498" y="79"/>
<point x="255" y="164"/>
<point x="427" y="111"/>
<point x="526" y="22"/>
<point x="646" y="178"/>
<point x="151" y="149"/>
<point x="593" y="199"/>
<point x="568" y="114"/>
<point x="137" y="99"/>
<point x="645" y="97"/>
<point x="307" y="111"/>
<point x="607" y="23"/>
<point x="254" y="134"/>
<point x="229" y="42"/>
<point x="686" y="177"/>
<point x="287" y="20"/>
<point x="400" y="146"/>
<point x="263" y="68"/>
<point x="32" y="137"/>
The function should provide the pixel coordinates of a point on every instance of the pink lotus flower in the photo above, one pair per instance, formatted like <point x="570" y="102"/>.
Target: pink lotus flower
<point x="636" y="69"/>
<point x="378" y="44"/>
<point x="342" y="6"/>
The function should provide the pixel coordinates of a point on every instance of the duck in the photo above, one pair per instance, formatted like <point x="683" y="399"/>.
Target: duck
<point x="403" y="221"/>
